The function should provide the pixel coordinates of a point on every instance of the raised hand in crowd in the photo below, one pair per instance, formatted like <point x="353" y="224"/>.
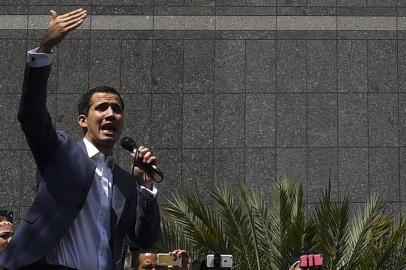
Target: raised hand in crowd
<point x="59" y="26"/>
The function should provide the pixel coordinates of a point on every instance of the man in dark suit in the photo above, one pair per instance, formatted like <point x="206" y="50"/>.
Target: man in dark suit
<point x="85" y="204"/>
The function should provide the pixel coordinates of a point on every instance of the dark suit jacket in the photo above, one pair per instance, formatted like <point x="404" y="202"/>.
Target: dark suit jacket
<point x="66" y="174"/>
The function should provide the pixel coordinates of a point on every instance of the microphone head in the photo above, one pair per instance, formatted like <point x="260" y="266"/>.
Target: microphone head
<point x="128" y="143"/>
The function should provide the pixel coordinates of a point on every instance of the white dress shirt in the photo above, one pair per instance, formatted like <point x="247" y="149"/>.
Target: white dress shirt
<point x="86" y="243"/>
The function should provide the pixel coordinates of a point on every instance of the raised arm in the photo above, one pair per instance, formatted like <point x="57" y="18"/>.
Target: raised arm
<point x="33" y="115"/>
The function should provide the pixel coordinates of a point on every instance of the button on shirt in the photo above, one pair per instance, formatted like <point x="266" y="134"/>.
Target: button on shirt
<point x="86" y="244"/>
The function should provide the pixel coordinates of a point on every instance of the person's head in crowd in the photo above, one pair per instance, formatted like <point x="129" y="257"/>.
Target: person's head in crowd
<point x="149" y="261"/>
<point x="6" y="232"/>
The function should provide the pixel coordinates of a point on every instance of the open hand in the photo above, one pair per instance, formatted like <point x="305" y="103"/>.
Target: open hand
<point x="59" y="27"/>
<point x="186" y="263"/>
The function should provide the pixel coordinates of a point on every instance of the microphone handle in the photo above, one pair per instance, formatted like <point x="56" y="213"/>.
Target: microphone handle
<point x="157" y="170"/>
<point x="153" y="169"/>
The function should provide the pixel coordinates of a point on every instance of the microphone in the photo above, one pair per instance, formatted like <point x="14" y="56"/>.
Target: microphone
<point x="129" y="144"/>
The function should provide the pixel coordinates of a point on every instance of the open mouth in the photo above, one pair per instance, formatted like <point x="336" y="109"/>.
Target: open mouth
<point x="108" y="129"/>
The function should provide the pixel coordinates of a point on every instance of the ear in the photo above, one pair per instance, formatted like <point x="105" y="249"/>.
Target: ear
<point x="82" y="120"/>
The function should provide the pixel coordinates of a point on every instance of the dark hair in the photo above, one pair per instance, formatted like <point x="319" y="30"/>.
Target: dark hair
<point x="4" y="219"/>
<point x="84" y="101"/>
<point x="6" y="215"/>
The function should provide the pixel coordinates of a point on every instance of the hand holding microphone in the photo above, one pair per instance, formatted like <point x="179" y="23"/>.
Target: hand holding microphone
<point x="144" y="167"/>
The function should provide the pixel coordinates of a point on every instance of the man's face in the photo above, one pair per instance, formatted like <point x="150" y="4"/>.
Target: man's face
<point x="104" y="121"/>
<point x="148" y="261"/>
<point x="6" y="232"/>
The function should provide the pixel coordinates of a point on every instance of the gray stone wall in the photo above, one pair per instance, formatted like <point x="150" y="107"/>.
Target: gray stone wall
<point x="227" y="91"/>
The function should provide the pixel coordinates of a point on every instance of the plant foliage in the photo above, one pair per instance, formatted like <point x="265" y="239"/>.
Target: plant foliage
<point x="272" y="231"/>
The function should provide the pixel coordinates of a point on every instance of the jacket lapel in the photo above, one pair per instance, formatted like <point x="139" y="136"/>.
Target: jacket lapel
<point x="117" y="202"/>
<point x="119" y="194"/>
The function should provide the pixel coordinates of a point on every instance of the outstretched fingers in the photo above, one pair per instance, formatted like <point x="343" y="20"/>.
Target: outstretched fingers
<point x="73" y="26"/>
<point x="72" y="17"/>
<point x="59" y="26"/>
<point x="72" y="13"/>
<point x="73" y="21"/>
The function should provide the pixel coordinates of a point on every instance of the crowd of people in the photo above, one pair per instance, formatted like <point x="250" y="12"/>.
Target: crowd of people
<point x="144" y="261"/>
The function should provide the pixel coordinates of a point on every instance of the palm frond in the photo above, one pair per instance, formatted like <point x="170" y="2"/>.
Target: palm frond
<point x="202" y="228"/>
<point x="391" y="246"/>
<point x="173" y="237"/>
<point x="235" y="224"/>
<point x="253" y="224"/>
<point x="332" y="221"/>
<point x="265" y="233"/>
<point x="361" y="230"/>
<point x="288" y="216"/>
<point x="265" y="230"/>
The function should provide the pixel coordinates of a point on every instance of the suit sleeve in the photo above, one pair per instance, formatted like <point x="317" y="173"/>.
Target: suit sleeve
<point x="34" y="117"/>
<point x="146" y="228"/>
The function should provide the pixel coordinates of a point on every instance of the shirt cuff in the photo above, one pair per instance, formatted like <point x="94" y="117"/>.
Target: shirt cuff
<point x="36" y="59"/>
<point x="147" y="192"/>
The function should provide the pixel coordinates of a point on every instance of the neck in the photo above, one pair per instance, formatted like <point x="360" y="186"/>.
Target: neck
<point x="106" y="150"/>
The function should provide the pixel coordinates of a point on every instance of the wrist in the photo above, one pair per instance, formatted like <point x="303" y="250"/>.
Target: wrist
<point x="148" y="185"/>
<point x="44" y="48"/>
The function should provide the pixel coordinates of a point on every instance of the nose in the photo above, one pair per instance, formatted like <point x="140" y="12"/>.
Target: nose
<point x="109" y="111"/>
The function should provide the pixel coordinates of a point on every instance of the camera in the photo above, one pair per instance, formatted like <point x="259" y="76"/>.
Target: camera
<point x="219" y="261"/>
<point x="311" y="261"/>
<point x="166" y="259"/>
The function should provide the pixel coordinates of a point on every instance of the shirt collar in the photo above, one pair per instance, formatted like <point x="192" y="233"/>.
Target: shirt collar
<point x="93" y="152"/>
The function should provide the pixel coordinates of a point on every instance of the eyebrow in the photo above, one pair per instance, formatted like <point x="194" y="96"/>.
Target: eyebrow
<point x="106" y="102"/>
